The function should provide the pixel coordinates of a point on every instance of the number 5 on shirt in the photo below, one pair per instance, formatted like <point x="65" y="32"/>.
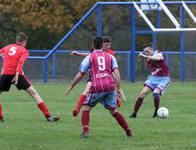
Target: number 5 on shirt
<point x="12" y="51"/>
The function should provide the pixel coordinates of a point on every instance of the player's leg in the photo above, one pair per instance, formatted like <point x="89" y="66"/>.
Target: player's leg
<point x="91" y="100"/>
<point x="161" y="87"/>
<point x="42" y="106"/>
<point x="85" y="121"/>
<point x="5" y="84"/>
<point x="24" y="83"/>
<point x="156" y="97"/>
<point x="1" y="114"/>
<point x="1" y="111"/>
<point x="82" y="99"/>
<point x="145" y="91"/>
<point x="110" y="103"/>
<point x="121" y="121"/>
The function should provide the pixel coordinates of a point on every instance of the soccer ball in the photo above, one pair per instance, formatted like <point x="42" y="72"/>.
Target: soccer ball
<point x="163" y="112"/>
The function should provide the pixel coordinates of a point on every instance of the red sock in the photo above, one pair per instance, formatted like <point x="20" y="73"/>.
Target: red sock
<point x="44" y="109"/>
<point x="1" y="112"/>
<point x="80" y="102"/>
<point x="138" y="104"/>
<point x="85" y="121"/>
<point x="122" y="122"/>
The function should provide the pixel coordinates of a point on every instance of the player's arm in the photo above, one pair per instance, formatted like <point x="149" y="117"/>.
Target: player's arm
<point x="156" y="57"/>
<point x="84" y="67"/>
<point x="77" y="78"/>
<point x="116" y="73"/>
<point x="19" y="66"/>
<point x="21" y="61"/>
<point x="1" y="52"/>
<point x="75" y="53"/>
<point x="117" y="78"/>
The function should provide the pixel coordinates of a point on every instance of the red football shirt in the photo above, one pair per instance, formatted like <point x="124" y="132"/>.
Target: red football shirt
<point x="14" y="56"/>
<point x="109" y="51"/>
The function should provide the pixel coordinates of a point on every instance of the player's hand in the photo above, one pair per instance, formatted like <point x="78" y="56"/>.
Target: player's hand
<point x="74" y="53"/>
<point x="1" y="55"/>
<point x="119" y="103"/>
<point x="118" y="93"/>
<point x="68" y="90"/>
<point x="142" y="55"/>
<point x="15" y="80"/>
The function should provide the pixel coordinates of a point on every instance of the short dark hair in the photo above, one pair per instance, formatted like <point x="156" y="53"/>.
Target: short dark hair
<point x="21" y="37"/>
<point x="149" y="44"/>
<point x="107" y="39"/>
<point x="149" y="47"/>
<point x="98" y="42"/>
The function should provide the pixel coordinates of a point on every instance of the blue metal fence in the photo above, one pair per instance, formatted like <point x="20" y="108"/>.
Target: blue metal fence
<point x="131" y="54"/>
<point x="127" y="53"/>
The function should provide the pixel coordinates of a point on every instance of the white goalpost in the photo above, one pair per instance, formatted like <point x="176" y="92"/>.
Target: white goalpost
<point x="163" y="7"/>
<point x="168" y="13"/>
<point x="189" y="11"/>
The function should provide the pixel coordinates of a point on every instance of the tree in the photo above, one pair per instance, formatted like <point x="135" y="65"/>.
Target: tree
<point x="46" y="21"/>
<point x="39" y="18"/>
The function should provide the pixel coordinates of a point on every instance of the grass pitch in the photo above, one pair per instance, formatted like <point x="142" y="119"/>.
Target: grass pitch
<point x="25" y="128"/>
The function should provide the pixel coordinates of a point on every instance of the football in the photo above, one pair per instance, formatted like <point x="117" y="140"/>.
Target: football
<point x="163" y="112"/>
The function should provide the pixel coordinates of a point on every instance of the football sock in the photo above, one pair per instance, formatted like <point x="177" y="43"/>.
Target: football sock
<point x="85" y="121"/>
<point x="138" y="104"/>
<point x="81" y="101"/>
<point x="122" y="122"/>
<point x="44" y="109"/>
<point x="1" y="112"/>
<point x="156" y="102"/>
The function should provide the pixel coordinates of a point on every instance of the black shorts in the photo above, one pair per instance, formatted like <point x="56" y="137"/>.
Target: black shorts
<point x="6" y="82"/>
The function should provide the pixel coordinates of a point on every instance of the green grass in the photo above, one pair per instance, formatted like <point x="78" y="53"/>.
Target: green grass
<point x="26" y="128"/>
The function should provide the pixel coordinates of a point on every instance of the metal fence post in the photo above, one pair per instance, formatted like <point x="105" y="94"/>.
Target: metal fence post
<point x="167" y="59"/>
<point x="182" y="78"/>
<point x="45" y="70"/>
<point x="99" y="20"/>
<point x="129" y="66"/>
<point x="133" y="44"/>
<point x="54" y="65"/>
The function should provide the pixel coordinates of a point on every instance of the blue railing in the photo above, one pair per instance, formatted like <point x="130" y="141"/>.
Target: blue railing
<point x="127" y="53"/>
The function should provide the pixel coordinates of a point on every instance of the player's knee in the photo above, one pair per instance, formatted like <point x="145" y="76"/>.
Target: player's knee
<point x="112" y="111"/>
<point x="34" y="95"/>
<point x="142" y="95"/>
<point x="87" y="108"/>
<point x="85" y="92"/>
<point x="156" y="94"/>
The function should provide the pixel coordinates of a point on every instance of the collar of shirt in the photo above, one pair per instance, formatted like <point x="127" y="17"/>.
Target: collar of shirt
<point x="98" y="50"/>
